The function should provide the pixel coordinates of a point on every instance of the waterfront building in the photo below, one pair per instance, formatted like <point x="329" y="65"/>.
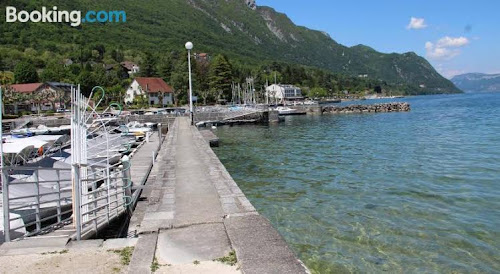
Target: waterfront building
<point x="278" y="92"/>
<point x="37" y="96"/>
<point x="155" y="89"/>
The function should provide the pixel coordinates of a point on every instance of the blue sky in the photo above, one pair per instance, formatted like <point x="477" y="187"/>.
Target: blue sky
<point x="455" y="36"/>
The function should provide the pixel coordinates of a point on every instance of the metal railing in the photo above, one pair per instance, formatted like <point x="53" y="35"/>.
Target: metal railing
<point x="36" y="204"/>
<point x="96" y="188"/>
<point x="101" y="185"/>
<point x="107" y="195"/>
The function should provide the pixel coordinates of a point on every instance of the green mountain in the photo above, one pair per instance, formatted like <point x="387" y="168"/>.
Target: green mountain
<point x="238" y="28"/>
<point x="478" y="82"/>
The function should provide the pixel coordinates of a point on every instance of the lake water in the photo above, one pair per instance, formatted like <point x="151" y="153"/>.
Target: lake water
<point x="401" y="192"/>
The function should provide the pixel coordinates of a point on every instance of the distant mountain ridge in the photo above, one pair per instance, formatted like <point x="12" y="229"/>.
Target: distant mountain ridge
<point x="477" y="82"/>
<point x="238" y="28"/>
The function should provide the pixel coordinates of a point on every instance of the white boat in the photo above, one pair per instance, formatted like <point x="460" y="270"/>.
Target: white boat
<point x="42" y="130"/>
<point x="289" y="111"/>
<point x="16" y="154"/>
<point x="136" y="127"/>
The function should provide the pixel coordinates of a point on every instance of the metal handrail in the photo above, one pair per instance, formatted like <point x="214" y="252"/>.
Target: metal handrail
<point x="15" y="204"/>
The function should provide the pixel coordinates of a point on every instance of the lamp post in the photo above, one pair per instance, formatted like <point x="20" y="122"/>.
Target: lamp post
<point x="189" y="47"/>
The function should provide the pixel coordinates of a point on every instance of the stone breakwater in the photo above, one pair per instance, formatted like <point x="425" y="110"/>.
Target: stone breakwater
<point x="388" y="107"/>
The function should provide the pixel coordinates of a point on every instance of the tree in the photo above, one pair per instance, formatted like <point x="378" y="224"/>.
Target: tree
<point x="148" y="66"/>
<point x="115" y="94"/>
<point x="2" y="63"/>
<point x="86" y="81"/>
<point x="100" y="50"/>
<point x="6" y="78"/>
<point x="180" y="81"/>
<point x="25" y="72"/>
<point x="201" y="72"/>
<point x="221" y="77"/>
<point x="11" y="97"/>
<point x="317" y="93"/>
<point x="117" y="55"/>
<point x="53" y="72"/>
<point x="141" y="101"/>
<point x="166" y="67"/>
<point x="205" y="94"/>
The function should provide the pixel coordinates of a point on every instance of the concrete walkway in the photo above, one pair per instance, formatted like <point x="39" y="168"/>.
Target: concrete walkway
<point x="192" y="210"/>
<point x="142" y="158"/>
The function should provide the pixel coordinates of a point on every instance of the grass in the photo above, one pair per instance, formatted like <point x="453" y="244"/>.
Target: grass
<point x="196" y="262"/>
<point x="155" y="265"/>
<point x="229" y="259"/>
<point x="125" y="254"/>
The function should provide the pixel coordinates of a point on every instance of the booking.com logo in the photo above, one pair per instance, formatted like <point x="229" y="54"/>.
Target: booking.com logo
<point x="74" y="17"/>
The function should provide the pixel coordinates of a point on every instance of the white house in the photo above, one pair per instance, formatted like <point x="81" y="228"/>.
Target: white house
<point x="154" y="88"/>
<point x="131" y="68"/>
<point x="283" y="92"/>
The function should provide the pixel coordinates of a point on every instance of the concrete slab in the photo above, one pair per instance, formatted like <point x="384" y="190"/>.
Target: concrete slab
<point x="161" y="215"/>
<point x="143" y="255"/>
<point x="259" y="247"/>
<point x="86" y="244"/>
<point x="29" y="250"/>
<point x="36" y="242"/>
<point x="196" y="199"/>
<point x="203" y="242"/>
<point x="119" y="243"/>
<point x="33" y="245"/>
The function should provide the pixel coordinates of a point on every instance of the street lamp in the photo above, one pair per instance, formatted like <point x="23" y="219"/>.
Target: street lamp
<point x="189" y="47"/>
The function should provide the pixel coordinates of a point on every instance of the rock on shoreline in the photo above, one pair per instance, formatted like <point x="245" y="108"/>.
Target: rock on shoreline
<point x="388" y="107"/>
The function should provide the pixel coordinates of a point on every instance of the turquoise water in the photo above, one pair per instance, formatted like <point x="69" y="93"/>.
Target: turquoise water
<point x="398" y="192"/>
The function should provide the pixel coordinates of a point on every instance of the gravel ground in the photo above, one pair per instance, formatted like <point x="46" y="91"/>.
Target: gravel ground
<point x="73" y="261"/>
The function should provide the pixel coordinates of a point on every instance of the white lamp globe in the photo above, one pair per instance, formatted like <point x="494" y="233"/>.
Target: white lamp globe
<point x="189" y="45"/>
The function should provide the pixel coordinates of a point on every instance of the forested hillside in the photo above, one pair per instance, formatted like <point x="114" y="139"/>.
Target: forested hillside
<point x="256" y="41"/>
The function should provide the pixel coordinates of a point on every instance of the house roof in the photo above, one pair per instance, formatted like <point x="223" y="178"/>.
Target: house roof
<point x="154" y="84"/>
<point x="128" y="65"/>
<point x="26" y="88"/>
<point x="32" y="87"/>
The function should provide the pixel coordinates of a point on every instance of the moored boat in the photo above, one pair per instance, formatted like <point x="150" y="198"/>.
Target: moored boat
<point x="289" y="111"/>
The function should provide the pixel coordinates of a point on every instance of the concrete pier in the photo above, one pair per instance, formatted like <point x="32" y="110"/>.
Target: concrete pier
<point x="192" y="210"/>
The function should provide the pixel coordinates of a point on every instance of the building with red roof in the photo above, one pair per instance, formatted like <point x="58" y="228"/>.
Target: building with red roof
<point x="157" y="92"/>
<point x="25" y="88"/>
<point x="36" y="97"/>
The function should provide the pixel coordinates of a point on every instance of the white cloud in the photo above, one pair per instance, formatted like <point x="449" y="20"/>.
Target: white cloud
<point x="449" y="42"/>
<point x="416" y="23"/>
<point x="445" y="48"/>
<point x="449" y="72"/>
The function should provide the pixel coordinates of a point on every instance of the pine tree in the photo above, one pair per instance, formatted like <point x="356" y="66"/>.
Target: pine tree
<point x="148" y="67"/>
<point x="221" y="77"/>
<point x="180" y="81"/>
